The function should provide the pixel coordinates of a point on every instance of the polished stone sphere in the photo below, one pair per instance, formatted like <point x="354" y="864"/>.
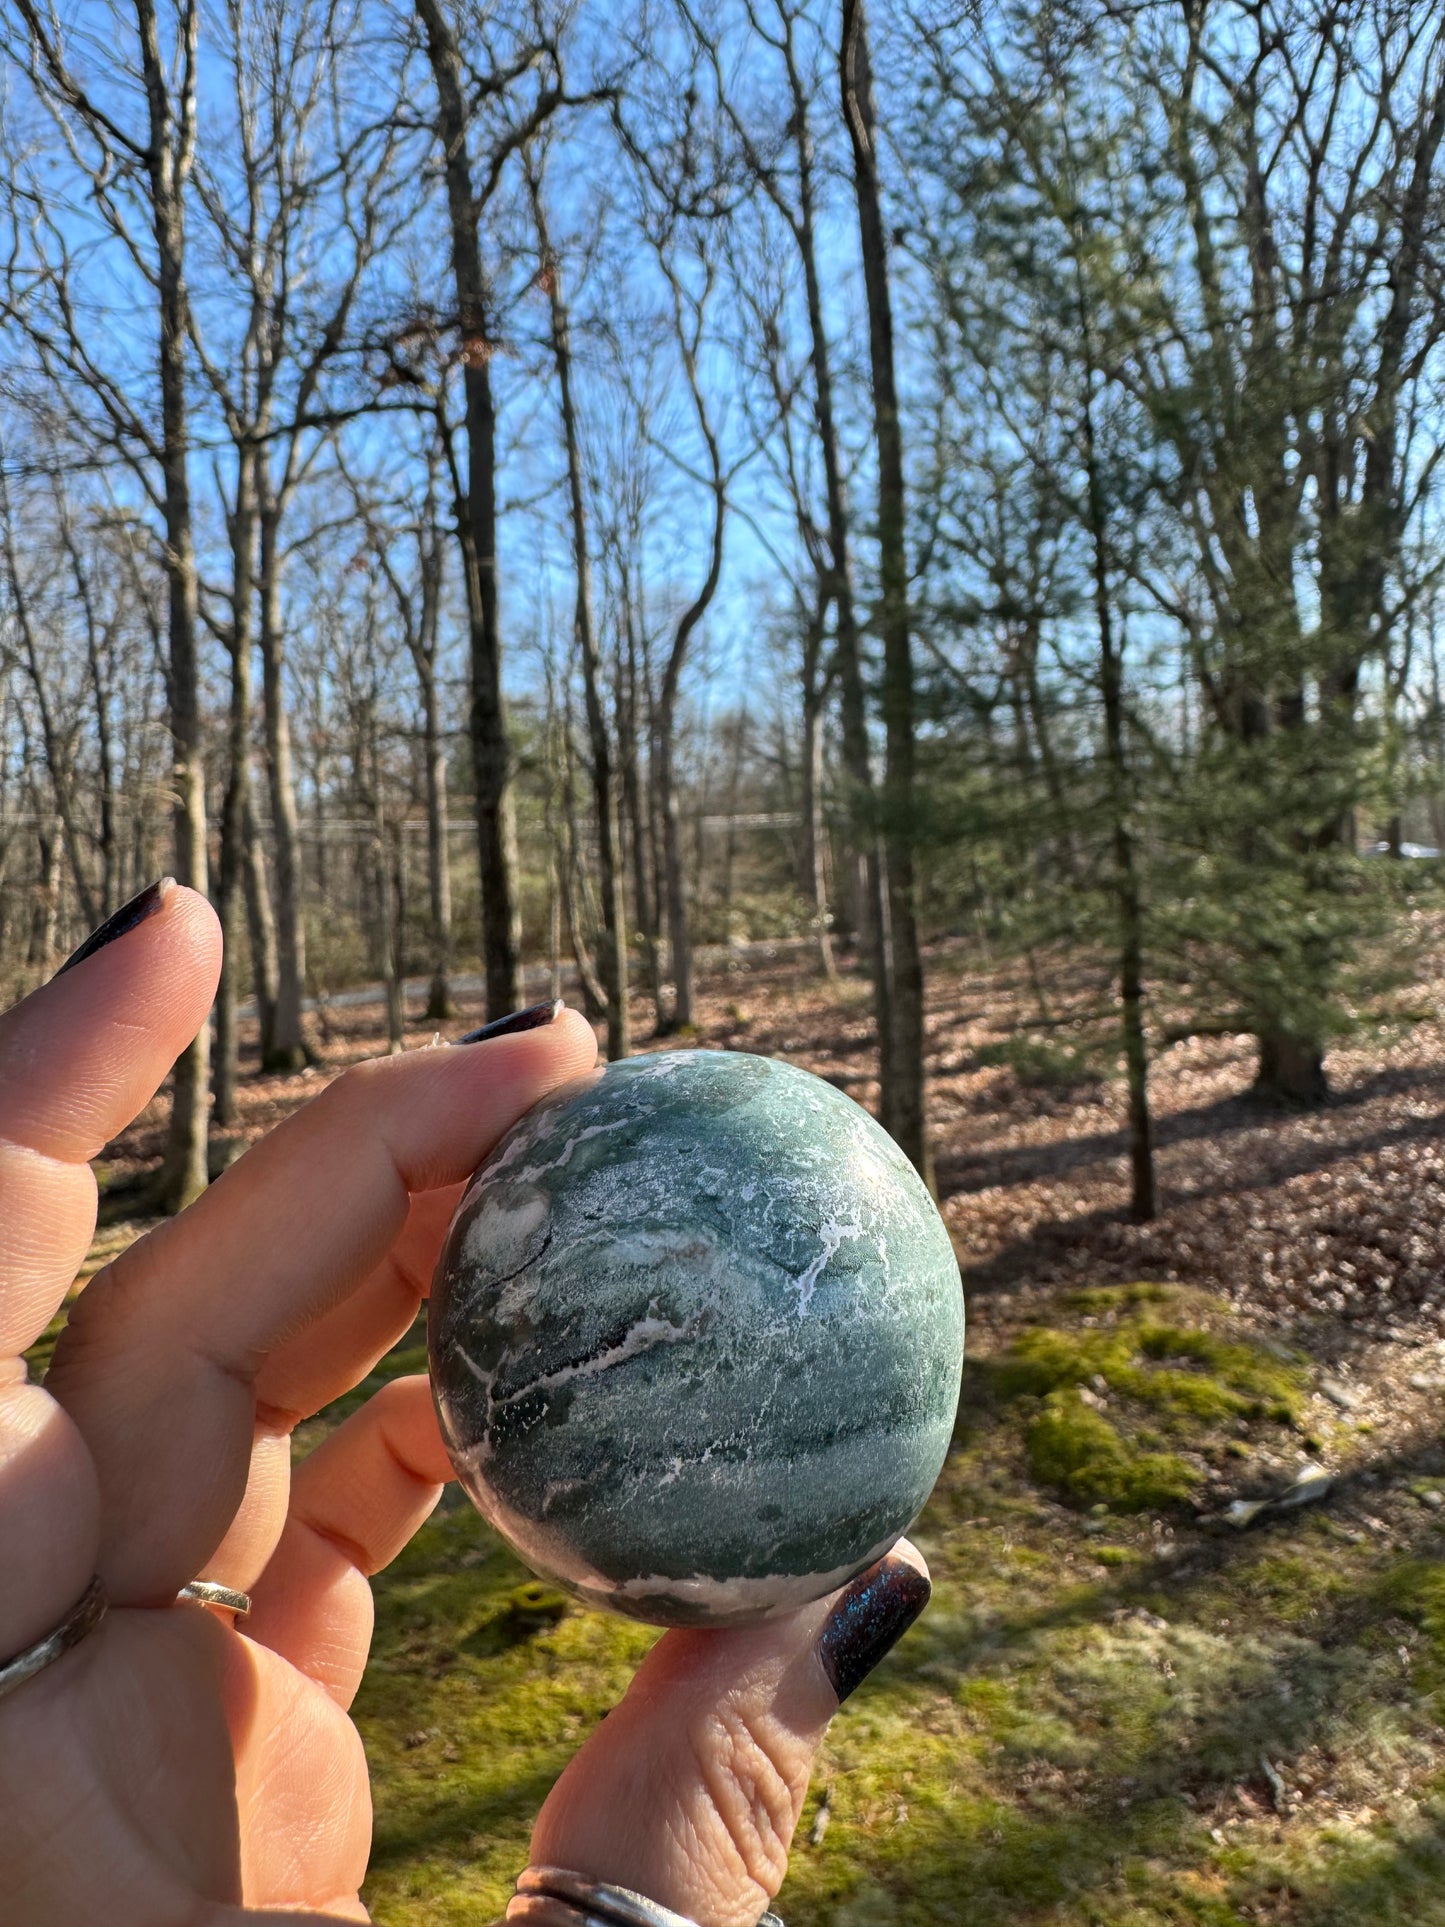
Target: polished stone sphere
<point x="696" y="1336"/>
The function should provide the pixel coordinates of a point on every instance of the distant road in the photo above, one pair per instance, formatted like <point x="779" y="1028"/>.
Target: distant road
<point x="536" y="978"/>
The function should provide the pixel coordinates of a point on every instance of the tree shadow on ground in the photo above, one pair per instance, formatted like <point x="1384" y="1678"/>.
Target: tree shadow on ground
<point x="1030" y="1850"/>
<point x="962" y="1172"/>
<point x="457" y="1812"/>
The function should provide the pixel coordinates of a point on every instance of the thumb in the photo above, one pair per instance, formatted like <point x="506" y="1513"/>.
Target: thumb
<point x="690" y="1789"/>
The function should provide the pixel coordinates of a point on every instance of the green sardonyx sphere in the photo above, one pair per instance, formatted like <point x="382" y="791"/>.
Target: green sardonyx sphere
<point x="696" y="1337"/>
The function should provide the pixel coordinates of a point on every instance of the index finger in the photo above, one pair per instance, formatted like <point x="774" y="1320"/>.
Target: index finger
<point x="78" y="1059"/>
<point x="158" y="1365"/>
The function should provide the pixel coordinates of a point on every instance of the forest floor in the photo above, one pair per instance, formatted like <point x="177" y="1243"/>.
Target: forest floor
<point x="1123" y="1707"/>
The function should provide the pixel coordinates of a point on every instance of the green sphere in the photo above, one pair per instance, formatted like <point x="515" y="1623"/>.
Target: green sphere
<point x="696" y="1337"/>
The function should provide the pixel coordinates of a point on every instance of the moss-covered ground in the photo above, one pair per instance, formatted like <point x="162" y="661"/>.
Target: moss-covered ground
<point x="1113" y="1713"/>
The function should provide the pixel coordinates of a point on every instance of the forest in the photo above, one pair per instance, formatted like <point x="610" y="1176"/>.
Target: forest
<point x="907" y="537"/>
<point x="579" y="483"/>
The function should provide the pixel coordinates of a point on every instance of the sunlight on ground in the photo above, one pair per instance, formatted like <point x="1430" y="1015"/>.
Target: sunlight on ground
<point x="1105" y="1716"/>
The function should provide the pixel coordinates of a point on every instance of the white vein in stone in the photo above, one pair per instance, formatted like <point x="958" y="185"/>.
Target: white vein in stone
<point x="832" y="1231"/>
<point x="645" y="1335"/>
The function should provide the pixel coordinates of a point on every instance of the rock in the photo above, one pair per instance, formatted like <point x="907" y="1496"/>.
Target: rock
<point x="696" y="1338"/>
<point x="1432" y="1498"/>
<point x="1422" y="1382"/>
<point x="1341" y="1395"/>
<point x="1243" y="1512"/>
<point x="821" y="1818"/>
<point x="1278" y="1792"/>
<point x="1310" y="1484"/>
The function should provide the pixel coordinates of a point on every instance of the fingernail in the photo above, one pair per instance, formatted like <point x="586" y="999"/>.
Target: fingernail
<point x="871" y="1617"/>
<point x="532" y="1018"/>
<point x="120" y="921"/>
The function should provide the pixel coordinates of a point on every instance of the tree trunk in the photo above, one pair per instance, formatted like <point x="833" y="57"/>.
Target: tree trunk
<point x="903" y="1096"/>
<point x="230" y="875"/>
<point x="679" y="932"/>
<point x="261" y="928"/>
<point x="679" y="935"/>
<point x="59" y="754"/>
<point x="613" y="951"/>
<point x="813" y="879"/>
<point x="46" y="914"/>
<point x="393" y="890"/>
<point x="866" y="873"/>
<point x="1291" y="1069"/>
<point x="421" y="638"/>
<point x="110" y="893"/>
<point x="730" y="811"/>
<point x="655" y="840"/>
<point x="569" y="873"/>
<point x="183" y="1172"/>
<point x="439" y="1002"/>
<point x="637" y="798"/>
<point x="289" y="1050"/>
<point x="1126" y="877"/>
<point x="477" y="526"/>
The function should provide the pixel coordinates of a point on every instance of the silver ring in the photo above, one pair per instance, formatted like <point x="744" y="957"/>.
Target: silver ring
<point x="206" y="1592"/>
<point x="566" y="1898"/>
<point x="84" y="1616"/>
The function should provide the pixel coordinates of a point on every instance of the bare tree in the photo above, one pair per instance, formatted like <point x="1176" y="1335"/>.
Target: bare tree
<point x="138" y="176"/>
<point x="417" y="601"/>
<point x="604" y="788"/>
<point x="474" y="166"/>
<point x="59" y="727"/>
<point x="902" y="1097"/>
<point x="622" y="480"/>
<point x="296" y="233"/>
<point x="784" y="164"/>
<point x="689" y="311"/>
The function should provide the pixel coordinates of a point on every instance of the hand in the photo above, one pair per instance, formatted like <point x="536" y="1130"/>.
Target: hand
<point x="174" y="1767"/>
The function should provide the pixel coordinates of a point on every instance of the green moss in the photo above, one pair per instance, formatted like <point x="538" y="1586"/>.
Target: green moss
<point x="1269" y="1387"/>
<point x="483" y="1681"/>
<point x="1100" y="1298"/>
<point x="1047" y="1360"/>
<point x="1081" y="1455"/>
<point x="1415" y="1588"/>
<point x="1166" y="1368"/>
<point x="1294" y="1587"/>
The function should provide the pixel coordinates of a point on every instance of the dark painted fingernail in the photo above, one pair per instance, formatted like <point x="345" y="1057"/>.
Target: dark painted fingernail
<point x="871" y="1617"/>
<point x="533" y="1018"/>
<point x="121" y="921"/>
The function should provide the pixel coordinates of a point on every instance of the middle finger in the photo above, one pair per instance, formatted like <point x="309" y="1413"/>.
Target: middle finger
<point x="160" y="1362"/>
